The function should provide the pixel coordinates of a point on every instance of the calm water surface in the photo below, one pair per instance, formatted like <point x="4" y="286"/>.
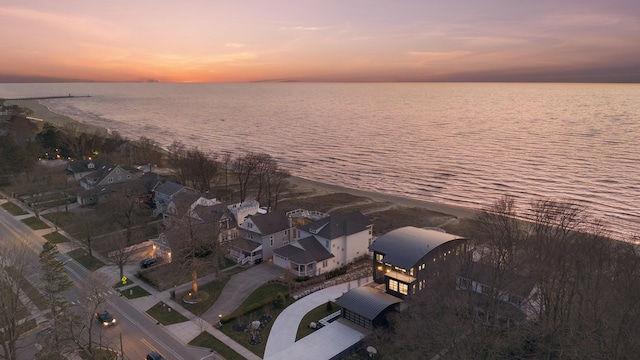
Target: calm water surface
<point x="457" y="143"/>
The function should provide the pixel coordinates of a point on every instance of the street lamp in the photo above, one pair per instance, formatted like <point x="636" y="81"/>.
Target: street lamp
<point x="220" y="321"/>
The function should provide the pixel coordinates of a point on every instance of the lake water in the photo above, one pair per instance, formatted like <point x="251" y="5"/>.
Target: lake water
<point x="465" y="144"/>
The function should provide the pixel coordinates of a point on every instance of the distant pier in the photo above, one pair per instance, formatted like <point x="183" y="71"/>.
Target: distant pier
<point x="47" y="97"/>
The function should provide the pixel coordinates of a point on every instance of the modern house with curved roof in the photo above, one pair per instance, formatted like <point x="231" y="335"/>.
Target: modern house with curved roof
<point x="403" y="259"/>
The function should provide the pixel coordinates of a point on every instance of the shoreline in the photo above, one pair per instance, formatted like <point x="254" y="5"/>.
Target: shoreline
<point x="41" y="112"/>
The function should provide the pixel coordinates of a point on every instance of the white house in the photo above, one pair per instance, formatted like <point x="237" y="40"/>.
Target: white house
<point x="326" y="244"/>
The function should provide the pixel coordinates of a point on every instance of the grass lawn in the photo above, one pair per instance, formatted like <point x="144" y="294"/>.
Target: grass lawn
<point x="235" y="270"/>
<point x="100" y="354"/>
<point x="314" y="316"/>
<point x="134" y="292"/>
<point x="212" y="289"/>
<point x="60" y="218"/>
<point x="56" y="237"/>
<point x="32" y="293"/>
<point x="89" y="262"/>
<point x="254" y="307"/>
<point x="35" y="223"/>
<point x="121" y="284"/>
<point x="13" y="209"/>
<point x="207" y="340"/>
<point x="165" y="315"/>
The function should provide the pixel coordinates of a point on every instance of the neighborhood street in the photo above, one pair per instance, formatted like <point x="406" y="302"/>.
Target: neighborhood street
<point x="140" y="333"/>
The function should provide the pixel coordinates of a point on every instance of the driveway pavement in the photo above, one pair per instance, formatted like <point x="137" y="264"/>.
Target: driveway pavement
<point x="239" y="287"/>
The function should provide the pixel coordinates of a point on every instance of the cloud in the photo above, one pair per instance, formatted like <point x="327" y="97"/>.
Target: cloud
<point x="234" y="45"/>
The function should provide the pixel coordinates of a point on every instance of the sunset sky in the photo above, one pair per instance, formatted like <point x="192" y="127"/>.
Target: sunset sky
<point x="323" y="40"/>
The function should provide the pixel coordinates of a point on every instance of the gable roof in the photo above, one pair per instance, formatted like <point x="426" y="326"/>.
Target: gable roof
<point x="336" y="226"/>
<point x="169" y="188"/>
<point x="78" y="166"/>
<point x="271" y="223"/>
<point x="366" y="301"/>
<point x="405" y="246"/>
<point x="304" y="251"/>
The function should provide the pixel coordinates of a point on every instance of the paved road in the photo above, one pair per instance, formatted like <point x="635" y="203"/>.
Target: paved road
<point x="140" y="333"/>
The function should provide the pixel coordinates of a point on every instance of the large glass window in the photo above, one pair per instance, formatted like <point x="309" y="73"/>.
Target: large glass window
<point x="379" y="257"/>
<point x="393" y="285"/>
<point x="403" y="288"/>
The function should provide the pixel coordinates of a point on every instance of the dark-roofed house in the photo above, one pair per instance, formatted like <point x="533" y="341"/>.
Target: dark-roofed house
<point x="164" y="193"/>
<point x="106" y="175"/>
<point x="326" y="244"/>
<point x="259" y="234"/>
<point x="404" y="258"/>
<point x="80" y="168"/>
<point x="367" y="306"/>
<point x="304" y="257"/>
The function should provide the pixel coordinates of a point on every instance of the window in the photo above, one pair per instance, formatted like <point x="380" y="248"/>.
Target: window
<point x="403" y="288"/>
<point x="515" y="300"/>
<point x="110" y="179"/>
<point x="463" y="283"/>
<point x="393" y="285"/>
<point x="326" y="244"/>
<point x="484" y="289"/>
<point x="379" y="257"/>
<point x="271" y="241"/>
<point x="286" y="232"/>
<point x="324" y="263"/>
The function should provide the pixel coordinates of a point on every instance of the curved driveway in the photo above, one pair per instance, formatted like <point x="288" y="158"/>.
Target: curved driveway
<point x="239" y="287"/>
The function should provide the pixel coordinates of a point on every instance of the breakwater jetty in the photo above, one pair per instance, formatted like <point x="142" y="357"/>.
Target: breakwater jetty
<point x="46" y="97"/>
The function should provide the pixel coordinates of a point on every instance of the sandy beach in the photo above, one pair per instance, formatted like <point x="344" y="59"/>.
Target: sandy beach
<point x="43" y="113"/>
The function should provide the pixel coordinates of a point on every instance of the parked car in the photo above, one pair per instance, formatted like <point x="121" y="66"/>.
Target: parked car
<point x="149" y="262"/>
<point x="105" y="318"/>
<point x="154" y="356"/>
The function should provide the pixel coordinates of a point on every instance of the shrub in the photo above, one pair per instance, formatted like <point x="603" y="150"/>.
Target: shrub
<point x="278" y="302"/>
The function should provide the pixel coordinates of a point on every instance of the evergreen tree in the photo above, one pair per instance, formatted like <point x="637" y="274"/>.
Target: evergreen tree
<point x="55" y="281"/>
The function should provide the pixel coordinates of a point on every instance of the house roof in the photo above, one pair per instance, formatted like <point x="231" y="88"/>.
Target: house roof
<point x="77" y="166"/>
<point x="366" y="301"/>
<point x="169" y="188"/>
<point x="405" y="246"/>
<point x="183" y="200"/>
<point x="336" y="226"/>
<point x="271" y="223"/>
<point x="304" y="251"/>
<point x="215" y="213"/>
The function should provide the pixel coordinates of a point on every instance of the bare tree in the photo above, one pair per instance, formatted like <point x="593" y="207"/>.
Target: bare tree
<point x="202" y="169"/>
<point x="119" y="251"/>
<point x="275" y="184"/>
<point x="95" y="288"/>
<point x="503" y="243"/>
<point x="245" y="167"/>
<point x="199" y="246"/>
<point x="15" y="264"/>
<point x="147" y="151"/>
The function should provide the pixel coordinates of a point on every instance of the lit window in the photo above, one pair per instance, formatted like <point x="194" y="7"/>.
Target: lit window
<point x="403" y="289"/>
<point x="393" y="285"/>
<point x="379" y="257"/>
